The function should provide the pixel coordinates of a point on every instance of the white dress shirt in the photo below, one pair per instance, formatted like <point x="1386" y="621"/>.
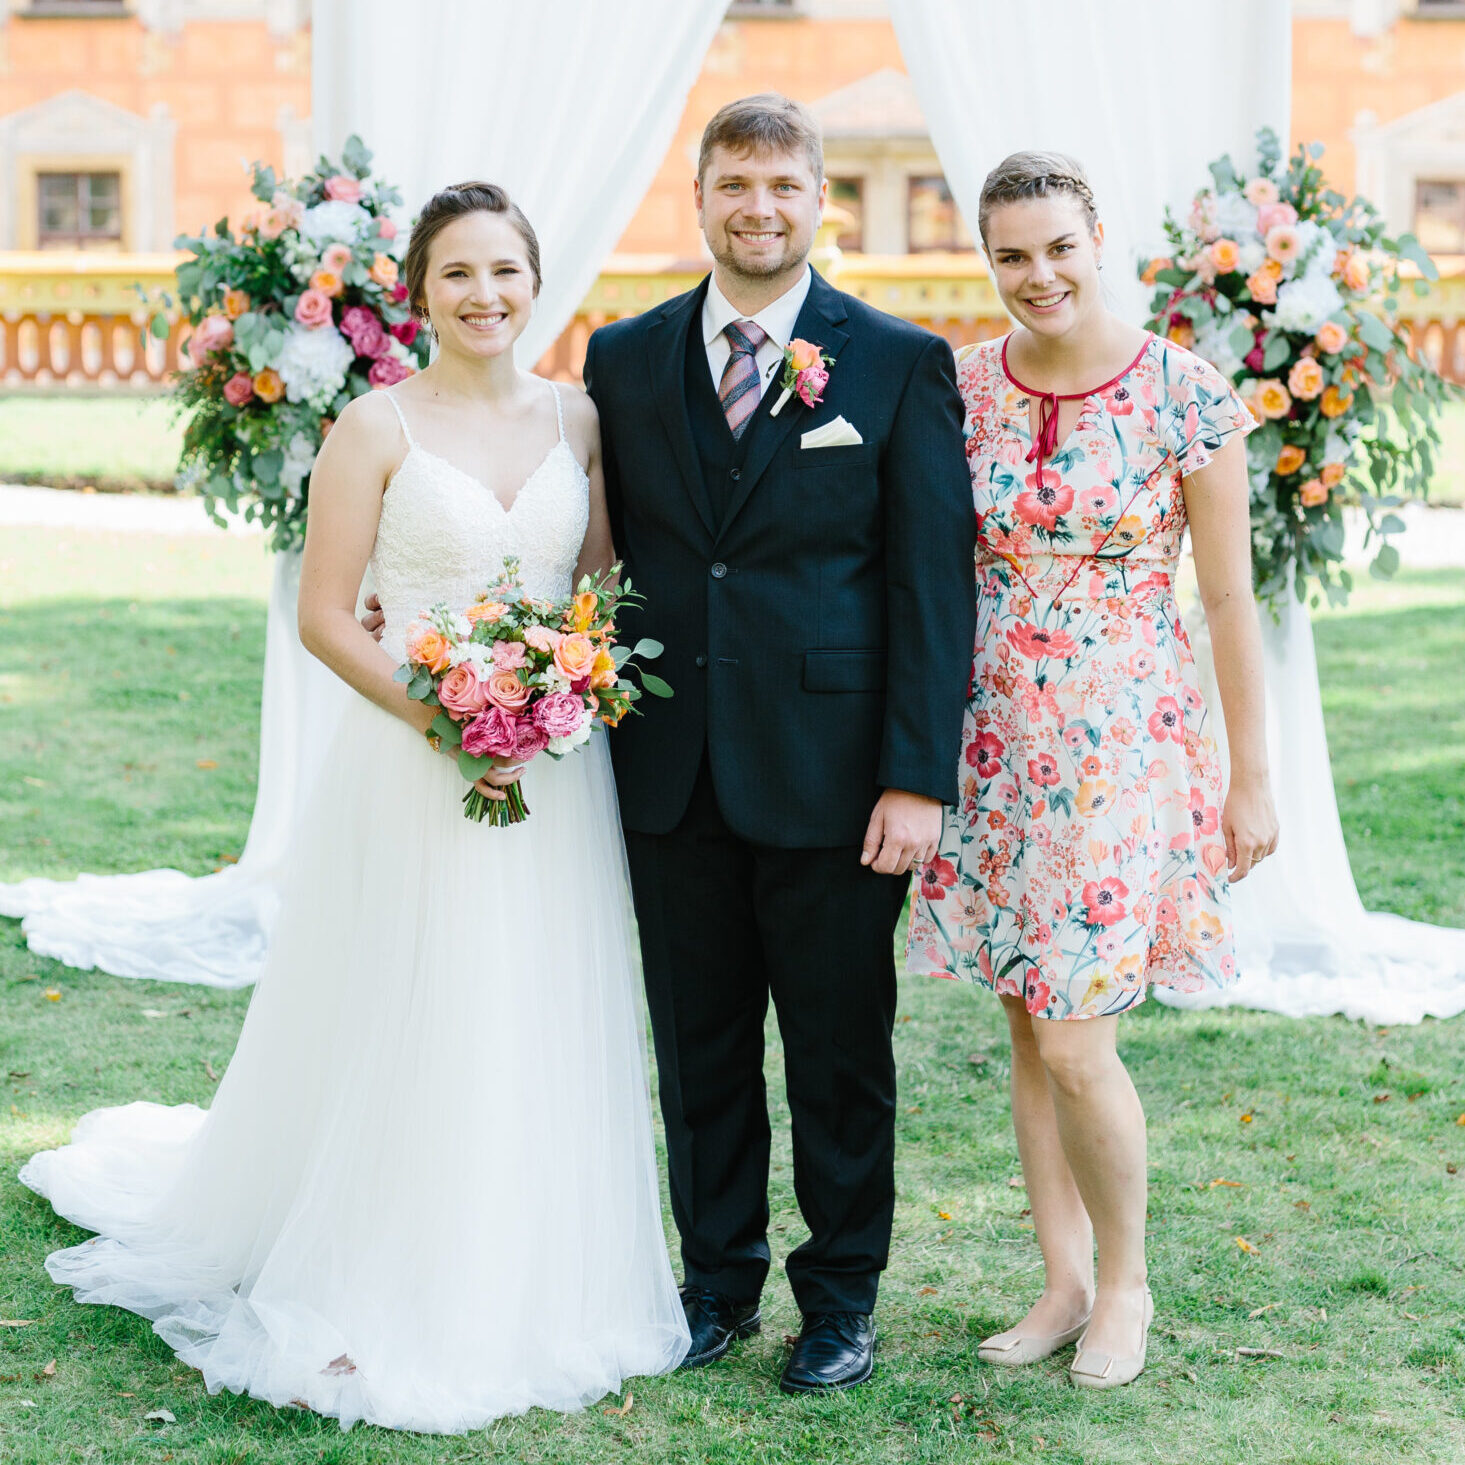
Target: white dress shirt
<point x="777" y="321"/>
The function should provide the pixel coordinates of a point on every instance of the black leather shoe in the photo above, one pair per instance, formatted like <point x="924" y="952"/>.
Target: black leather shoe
<point x="836" y="1350"/>
<point x="715" y="1322"/>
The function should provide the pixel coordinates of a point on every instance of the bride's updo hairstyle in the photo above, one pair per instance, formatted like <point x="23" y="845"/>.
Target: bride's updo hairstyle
<point x="1024" y="176"/>
<point x="450" y="203"/>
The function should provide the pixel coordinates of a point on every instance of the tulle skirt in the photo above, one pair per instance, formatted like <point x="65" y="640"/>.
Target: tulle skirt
<point x="425" y="1195"/>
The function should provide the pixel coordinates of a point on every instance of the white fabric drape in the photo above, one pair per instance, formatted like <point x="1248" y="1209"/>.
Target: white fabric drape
<point x="1117" y="86"/>
<point x="164" y="925"/>
<point x="569" y="104"/>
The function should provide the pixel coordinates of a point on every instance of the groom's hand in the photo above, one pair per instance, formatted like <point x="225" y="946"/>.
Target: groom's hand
<point x="905" y="830"/>
<point x="374" y="620"/>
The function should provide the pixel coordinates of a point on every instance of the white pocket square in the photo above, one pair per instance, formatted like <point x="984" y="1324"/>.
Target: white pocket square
<point x="836" y="434"/>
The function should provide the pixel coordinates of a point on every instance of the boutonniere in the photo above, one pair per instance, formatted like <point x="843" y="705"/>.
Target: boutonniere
<point x="805" y="371"/>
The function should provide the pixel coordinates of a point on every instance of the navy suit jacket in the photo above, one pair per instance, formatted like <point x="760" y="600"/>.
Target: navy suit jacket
<point x="819" y="637"/>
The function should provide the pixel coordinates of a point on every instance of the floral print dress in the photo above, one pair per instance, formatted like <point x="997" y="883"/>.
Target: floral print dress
<point x="1085" y="859"/>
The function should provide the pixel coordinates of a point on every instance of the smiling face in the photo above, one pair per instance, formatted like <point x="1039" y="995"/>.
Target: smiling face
<point x="1045" y="262"/>
<point x="759" y="212"/>
<point x="478" y="289"/>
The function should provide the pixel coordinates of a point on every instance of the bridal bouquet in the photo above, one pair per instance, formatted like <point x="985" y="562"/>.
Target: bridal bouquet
<point x="514" y="677"/>
<point x="1291" y="291"/>
<point x="292" y="317"/>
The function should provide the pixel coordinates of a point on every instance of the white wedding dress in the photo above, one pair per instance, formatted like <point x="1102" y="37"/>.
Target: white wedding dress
<point x="425" y="1195"/>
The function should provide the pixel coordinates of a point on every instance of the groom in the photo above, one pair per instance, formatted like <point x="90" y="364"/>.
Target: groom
<point x="815" y="601"/>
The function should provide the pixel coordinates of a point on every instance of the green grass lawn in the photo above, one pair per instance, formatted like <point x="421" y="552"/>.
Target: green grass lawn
<point x="1330" y="1149"/>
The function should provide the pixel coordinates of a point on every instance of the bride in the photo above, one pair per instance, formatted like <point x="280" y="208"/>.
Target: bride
<point x="425" y="1195"/>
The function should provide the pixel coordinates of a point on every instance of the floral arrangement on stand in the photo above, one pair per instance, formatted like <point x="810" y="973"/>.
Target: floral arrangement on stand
<point x="294" y="316"/>
<point x="1291" y="290"/>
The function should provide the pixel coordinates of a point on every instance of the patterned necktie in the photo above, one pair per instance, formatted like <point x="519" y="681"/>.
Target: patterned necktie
<point x="738" y="391"/>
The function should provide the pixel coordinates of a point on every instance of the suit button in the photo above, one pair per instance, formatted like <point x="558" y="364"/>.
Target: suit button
<point x="719" y="570"/>
<point x="735" y="474"/>
<point x="702" y="660"/>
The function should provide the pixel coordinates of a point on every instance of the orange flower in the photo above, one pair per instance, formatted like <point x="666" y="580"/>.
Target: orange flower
<point x="1272" y="398"/>
<point x="1272" y="269"/>
<point x="1160" y="262"/>
<point x="575" y="656"/>
<point x="236" y="302"/>
<point x="327" y="282"/>
<point x="1305" y="380"/>
<point x="486" y="610"/>
<point x="603" y="671"/>
<point x="384" y="271"/>
<point x="1332" y="474"/>
<point x="1313" y="493"/>
<point x="1290" y="459"/>
<point x="1262" y="288"/>
<point x="1331" y="338"/>
<point x="427" y="647"/>
<point x="267" y="385"/>
<point x="582" y="610"/>
<point x="1225" y="255"/>
<point x="1356" y="273"/>
<point x="1183" y="334"/>
<point x="1334" y="403"/>
<point x="1096" y="796"/>
<point x="804" y="354"/>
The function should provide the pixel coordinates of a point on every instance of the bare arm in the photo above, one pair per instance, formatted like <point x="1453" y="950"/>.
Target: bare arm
<point x="1217" y="503"/>
<point x="597" y="553"/>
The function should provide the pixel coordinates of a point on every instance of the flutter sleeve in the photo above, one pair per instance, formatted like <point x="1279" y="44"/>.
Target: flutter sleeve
<point x="1203" y="410"/>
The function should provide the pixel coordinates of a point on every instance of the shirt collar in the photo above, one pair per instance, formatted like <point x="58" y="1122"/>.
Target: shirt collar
<point x="777" y="319"/>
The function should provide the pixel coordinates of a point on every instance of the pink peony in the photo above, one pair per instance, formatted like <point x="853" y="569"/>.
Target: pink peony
<point x="529" y="738"/>
<point x="811" y="384"/>
<point x="387" y="371"/>
<point x="386" y="228"/>
<point x="560" y="714"/>
<point x="490" y="735"/>
<point x="239" y="389"/>
<point x="542" y="638"/>
<point x="1270" y="215"/>
<point x="212" y="333"/>
<point x="344" y="188"/>
<point x="508" y="655"/>
<point x="371" y="340"/>
<point x="461" y="693"/>
<point x="405" y="331"/>
<point x="355" y="318"/>
<point x="336" y="258"/>
<point x="313" y="309"/>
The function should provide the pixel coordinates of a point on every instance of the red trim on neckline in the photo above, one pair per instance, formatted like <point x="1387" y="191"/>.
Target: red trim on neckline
<point x="1073" y="396"/>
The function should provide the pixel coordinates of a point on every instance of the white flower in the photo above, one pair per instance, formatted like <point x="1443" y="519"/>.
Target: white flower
<point x="560" y="746"/>
<point x="1235" y="217"/>
<point x="1253" y="256"/>
<point x="1213" y="342"/>
<point x="313" y="364"/>
<point x="335" y="222"/>
<point x="299" y="460"/>
<point x="189" y="477"/>
<point x="1304" y="304"/>
<point x="1316" y="248"/>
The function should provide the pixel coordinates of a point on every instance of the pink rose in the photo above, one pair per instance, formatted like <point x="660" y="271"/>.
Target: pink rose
<point x="560" y="714"/>
<point x="371" y="340"/>
<point x="336" y="258"/>
<point x="285" y="212"/>
<point x="387" y="371"/>
<point x="529" y="739"/>
<point x="811" y="384"/>
<point x="354" y="319"/>
<point x="385" y="228"/>
<point x="399" y="293"/>
<point x="490" y="735"/>
<point x="212" y="333"/>
<point x="507" y="691"/>
<point x="405" y="331"/>
<point x="344" y="188"/>
<point x="1272" y="214"/>
<point x="461" y="693"/>
<point x="542" y="639"/>
<point x="239" y="389"/>
<point x="313" y="309"/>
<point x="508" y="655"/>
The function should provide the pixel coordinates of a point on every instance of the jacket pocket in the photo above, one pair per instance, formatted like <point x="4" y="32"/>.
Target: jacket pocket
<point x="844" y="671"/>
<point x="844" y="456"/>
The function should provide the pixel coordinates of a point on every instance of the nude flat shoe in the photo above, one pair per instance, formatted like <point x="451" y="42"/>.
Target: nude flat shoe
<point x="1012" y="1350"/>
<point x="1105" y="1370"/>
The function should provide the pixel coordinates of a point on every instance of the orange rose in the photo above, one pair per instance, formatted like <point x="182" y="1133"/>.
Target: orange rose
<point x="1332" y="474"/>
<point x="486" y="610"/>
<point x="1290" y="459"/>
<point x="1335" y="402"/>
<point x="1356" y="273"/>
<point x="267" y="385"/>
<point x="1305" y="380"/>
<point x="1331" y="338"/>
<point x="1225" y="255"/>
<point x="236" y="302"/>
<point x="603" y="671"/>
<point x="427" y="647"/>
<point x="1161" y="262"/>
<point x="582" y="610"/>
<point x="384" y="271"/>
<point x="575" y="656"/>
<point x="1183" y="334"/>
<point x="506" y="690"/>
<point x="327" y="282"/>
<point x="1272" y="269"/>
<point x="804" y="354"/>
<point x="1262" y="288"/>
<point x="1314" y="492"/>
<point x="1272" y="398"/>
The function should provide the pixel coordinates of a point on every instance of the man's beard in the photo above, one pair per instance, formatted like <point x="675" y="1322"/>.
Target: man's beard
<point x="761" y="269"/>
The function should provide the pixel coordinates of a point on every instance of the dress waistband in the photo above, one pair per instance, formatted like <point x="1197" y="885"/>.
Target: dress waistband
<point x="1073" y="577"/>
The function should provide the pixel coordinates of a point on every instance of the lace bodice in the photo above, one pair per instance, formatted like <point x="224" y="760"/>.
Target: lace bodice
<point x="443" y="536"/>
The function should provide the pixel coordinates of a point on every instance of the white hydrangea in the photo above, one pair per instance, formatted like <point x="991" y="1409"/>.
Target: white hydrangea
<point x="335" y="222"/>
<point x="190" y="477"/>
<point x="299" y="460"/>
<point x="313" y="364"/>
<point x="1253" y="256"/>
<point x="1304" y="304"/>
<point x="1316" y="249"/>
<point x="1213" y="343"/>
<point x="1235" y="216"/>
<point x="560" y="746"/>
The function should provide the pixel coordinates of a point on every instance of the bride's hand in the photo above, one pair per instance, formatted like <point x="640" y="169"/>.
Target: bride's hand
<point x="1249" y="823"/>
<point x="503" y="773"/>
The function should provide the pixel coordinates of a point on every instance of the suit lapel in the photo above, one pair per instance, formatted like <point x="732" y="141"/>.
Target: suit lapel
<point x="819" y="321"/>
<point x="666" y="342"/>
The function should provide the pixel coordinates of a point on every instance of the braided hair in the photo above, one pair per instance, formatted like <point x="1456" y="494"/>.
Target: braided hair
<point x="1026" y="175"/>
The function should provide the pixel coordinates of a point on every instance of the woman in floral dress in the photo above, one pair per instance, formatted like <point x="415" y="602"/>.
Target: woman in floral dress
<point x="1090" y="854"/>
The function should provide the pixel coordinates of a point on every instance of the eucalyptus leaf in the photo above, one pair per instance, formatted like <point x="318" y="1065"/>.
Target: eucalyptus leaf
<point x="648" y="648"/>
<point x="655" y="685"/>
<point x="473" y="768"/>
<point x="1276" y="351"/>
<point x="1373" y="332"/>
<point x="447" y="730"/>
<point x="1385" y="563"/>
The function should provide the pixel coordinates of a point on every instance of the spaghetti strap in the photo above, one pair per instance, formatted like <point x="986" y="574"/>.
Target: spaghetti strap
<point x="402" y="418"/>
<point x="559" y="408"/>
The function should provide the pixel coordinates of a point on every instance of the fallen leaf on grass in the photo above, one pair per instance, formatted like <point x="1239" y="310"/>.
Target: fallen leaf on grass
<point x="1246" y="1246"/>
<point x="339" y="1366"/>
<point x="19" y="1073"/>
<point x="1257" y="1312"/>
<point x="1381" y="1098"/>
<point x="208" y="1068"/>
<point x="162" y="1416"/>
<point x="1412" y="1318"/>
<point x="978" y="1059"/>
<point x="926" y="1292"/>
<point x="34" y="782"/>
<point x="1016" y="1182"/>
<point x="1247" y="1117"/>
<point x="1303" y="1205"/>
<point x="16" y="1322"/>
<point x="153" y="1012"/>
<point x="1452" y="1169"/>
<point x="943" y="1215"/>
<point x="623" y="1410"/>
<point x="49" y="1372"/>
<point x="1233" y="1184"/>
<point x="207" y="763"/>
<point x="127" y="1396"/>
<point x="1461" y="1120"/>
<point x="52" y="994"/>
<point x="1259" y="1353"/>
